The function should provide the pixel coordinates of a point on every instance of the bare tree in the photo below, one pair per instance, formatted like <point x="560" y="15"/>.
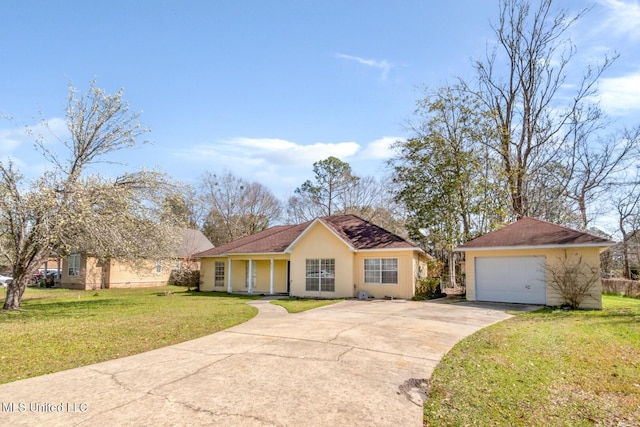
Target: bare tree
<point x="236" y="208"/>
<point x="301" y="209"/>
<point x="522" y="81"/>
<point x="187" y="205"/>
<point x="627" y="203"/>
<point x="371" y="199"/>
<point x="66" y="210"/>
<point x="597" y="165"/>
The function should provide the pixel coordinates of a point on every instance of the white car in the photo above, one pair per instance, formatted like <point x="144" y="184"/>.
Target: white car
<point x="5" y="280"/>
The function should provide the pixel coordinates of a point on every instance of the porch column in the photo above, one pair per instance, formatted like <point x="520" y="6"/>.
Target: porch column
<point x="271" y="278"/>
<point x="229" y="287"/>
<point x="250" y="276"/>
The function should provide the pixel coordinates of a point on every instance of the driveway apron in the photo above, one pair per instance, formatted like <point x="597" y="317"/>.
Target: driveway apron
<point x="355" y="363"/>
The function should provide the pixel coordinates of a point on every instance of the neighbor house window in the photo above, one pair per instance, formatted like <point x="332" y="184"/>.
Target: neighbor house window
<point x="219" y="274"/>
<point x="74" y="265"/>
<point x="321" y="275"/>
<point x="159" y="266"/>
<point x="383" y="270"/>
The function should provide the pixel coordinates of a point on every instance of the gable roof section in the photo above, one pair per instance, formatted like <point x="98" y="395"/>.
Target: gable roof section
<point x="354" y="231"/>
<point x="363" y="235"/>
<point x="193" y="242"/>
<point x="272" y="240"/>
<point x="532" y="232"/>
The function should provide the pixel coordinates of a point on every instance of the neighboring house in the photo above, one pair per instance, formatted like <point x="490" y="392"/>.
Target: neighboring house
<point x="339" y="256"/>
<point x="513" y="264"/>
<point x="82" y="271"/>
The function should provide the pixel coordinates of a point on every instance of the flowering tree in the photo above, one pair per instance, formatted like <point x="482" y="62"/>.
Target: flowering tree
<point x="67" y="209"/>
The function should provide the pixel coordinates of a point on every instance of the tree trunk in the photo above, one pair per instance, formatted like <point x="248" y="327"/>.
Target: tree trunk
<point x="14" y="293"/>
<point x="582" y="204"/>
<point x="452" y="268"/>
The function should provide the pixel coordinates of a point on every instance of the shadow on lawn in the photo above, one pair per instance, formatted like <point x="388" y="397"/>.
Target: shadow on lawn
<point x="550" y="314"/>
<point x="59" y="308"/>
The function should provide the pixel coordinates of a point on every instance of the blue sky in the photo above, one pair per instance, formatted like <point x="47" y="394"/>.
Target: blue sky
<point x="265" y="88"/>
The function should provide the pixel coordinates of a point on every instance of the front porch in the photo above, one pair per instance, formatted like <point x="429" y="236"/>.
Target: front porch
<point x="246" y="275"/>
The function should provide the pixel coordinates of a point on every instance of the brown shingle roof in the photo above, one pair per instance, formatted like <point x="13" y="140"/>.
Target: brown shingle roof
<point x="362" y="234"/>
<point x="535" y="232"/>
<point x="355" y="231"/>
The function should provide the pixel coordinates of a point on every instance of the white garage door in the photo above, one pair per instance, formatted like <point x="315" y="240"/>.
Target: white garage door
<point x="511" y="279"/>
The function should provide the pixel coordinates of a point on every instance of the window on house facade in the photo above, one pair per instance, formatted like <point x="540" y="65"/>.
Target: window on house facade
<point x="321" y="275"/>
<point x="74" y="265"/>
<point x="219" y="274"/>
<point x="159" y="266"/>
<point x="381" y="270"/>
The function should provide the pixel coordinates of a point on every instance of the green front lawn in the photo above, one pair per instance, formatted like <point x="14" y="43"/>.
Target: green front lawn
<point x="550" y="367"/>
<point x="296" y="305"/>
<point x="61" y="329"/>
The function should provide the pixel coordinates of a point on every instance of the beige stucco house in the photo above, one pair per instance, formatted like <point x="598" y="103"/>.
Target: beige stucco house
<point x="339" y="256"/>
<point x="82" y="271"/>
<point x="515" y="263"/>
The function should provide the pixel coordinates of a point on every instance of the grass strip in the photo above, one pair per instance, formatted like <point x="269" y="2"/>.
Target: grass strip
<point x="296" y="305"/>
<point x="60" y="329"/>
<point x="549" y="367"/>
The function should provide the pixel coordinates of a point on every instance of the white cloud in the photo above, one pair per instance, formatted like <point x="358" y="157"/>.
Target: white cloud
<point x="269" y="151"/>
<point x="283" y="165"/>
<point x="51" y="130"/>
<point x="380" y="148"/>
<point x="279" y="164"/>
<point x="383" y="65"/>
<point x="10" y="139"/>
<point x="623" y="18"/>
<point x="618" y="95"/>
<point x="48" y="132"/>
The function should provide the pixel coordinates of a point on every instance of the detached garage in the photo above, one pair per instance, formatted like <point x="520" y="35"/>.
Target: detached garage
<point x="514" y="264"/>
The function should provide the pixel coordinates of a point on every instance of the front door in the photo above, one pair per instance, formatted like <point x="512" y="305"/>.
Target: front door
<point x="288" y="276"/>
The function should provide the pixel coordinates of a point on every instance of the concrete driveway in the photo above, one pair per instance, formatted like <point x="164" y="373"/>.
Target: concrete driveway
<point x="356" y="363"/>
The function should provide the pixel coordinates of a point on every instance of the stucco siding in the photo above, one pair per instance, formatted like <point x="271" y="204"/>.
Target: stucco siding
<point x="207" y="272"/>
<point x="553" y="258"/>
<point x="239" y="265"/>
<point x="320" y="243"/>
<point x="407" y="274"/>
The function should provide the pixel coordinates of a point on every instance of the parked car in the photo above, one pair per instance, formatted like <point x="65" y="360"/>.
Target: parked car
<point x="5" y="280"/>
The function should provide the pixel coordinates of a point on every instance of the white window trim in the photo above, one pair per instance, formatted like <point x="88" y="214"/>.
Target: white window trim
<point x="364" y="273"/>
<point x="215" y="274"/>
<point x="74" y="270"/>
<point x="320" y="276"/>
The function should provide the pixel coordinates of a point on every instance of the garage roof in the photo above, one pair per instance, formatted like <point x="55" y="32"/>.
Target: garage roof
<point x="532" y="232"/>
